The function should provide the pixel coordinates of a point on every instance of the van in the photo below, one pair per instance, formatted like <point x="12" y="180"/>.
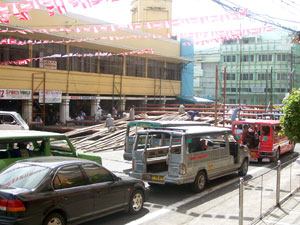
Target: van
<point x="134" y="126"/>
<point x="12" y="121"/>
<point x="187" y="155"/>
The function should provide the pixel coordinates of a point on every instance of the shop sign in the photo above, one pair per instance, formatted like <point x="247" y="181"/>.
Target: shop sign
<point x="15" y="94"/>
<point x="50" y="97"/>
<point x="48" y="64"/>
<point x="83" y="97"/>
<point x="258" y="90"/>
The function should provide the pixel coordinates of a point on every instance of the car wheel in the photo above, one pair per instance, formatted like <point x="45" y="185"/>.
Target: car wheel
<point x="136" y="202"/>
<point x="244" y="168"/>
<point x="200" y="182"/>
<point x="54" y="219"/>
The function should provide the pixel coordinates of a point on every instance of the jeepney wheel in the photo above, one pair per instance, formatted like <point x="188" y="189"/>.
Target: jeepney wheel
<point x="244" y="168"/>
<point x="200" y="182"/>
<point x="277" y="156"/>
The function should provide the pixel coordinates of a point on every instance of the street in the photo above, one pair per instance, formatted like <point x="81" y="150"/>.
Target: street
<point x="219" y="203"/>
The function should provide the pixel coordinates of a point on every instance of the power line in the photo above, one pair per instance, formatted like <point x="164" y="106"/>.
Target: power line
<point x="252" y="15"/>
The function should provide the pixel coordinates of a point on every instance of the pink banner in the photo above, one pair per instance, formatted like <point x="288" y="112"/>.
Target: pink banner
<point x="106" y="54"/>
<point x="204" y="35"/>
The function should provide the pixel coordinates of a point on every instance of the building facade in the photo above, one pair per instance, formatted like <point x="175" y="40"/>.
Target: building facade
<point x="260" y="70"/>
<point x="86" y="80"/>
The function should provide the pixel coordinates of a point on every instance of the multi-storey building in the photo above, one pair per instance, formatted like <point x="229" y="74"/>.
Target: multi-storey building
<point x="259" y="69"/>
<point x="87" y="80"/>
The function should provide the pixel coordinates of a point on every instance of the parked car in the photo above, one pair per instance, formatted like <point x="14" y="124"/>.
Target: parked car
<point x="136" y="125"/>
<point x="63" y="190"/>
<point x="18" y="144"/>
<point x="188" y="155"/>
<point x="12" y="121"/>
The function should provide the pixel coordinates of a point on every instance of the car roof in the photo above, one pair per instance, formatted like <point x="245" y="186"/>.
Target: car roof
<point x="21" y="134"/>
<point x="192" y="130"/>
<point x="258" y="121"/>
<point x="164" y="123"/>
<point x="54" y="161"/>
<point x="8" y="113"/>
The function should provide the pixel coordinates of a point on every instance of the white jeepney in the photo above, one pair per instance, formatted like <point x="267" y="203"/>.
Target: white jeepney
<point x="187" y="155"/>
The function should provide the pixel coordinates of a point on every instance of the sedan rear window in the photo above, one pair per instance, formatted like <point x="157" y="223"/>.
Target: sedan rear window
<point x="21" y="175"/>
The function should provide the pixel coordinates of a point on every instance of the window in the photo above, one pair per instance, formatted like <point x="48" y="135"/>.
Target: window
<point x="265" y="130"/>
<point x="229" y="58"/>
<point x="248" y="58"/>
<point x="173" y="71"/>
<point x="135" y="66"/>
<point x="246" y="76"/>
<point x="282" y="76"/>
<point x="230" y="76"/>
<point x="111" y="65"/>
<point x="21" y="175"/>
<point x="262" y="76"/>
<point x="284" y="57"/>
<point x="97" y="174"/>
<point x="69" y="176"/>
<point x="265" y="58"/>
<point x="155" y="69"/>
<point x="47" y="50"/>
<point x="83" y="62"/>
<point x="206" y="142"/>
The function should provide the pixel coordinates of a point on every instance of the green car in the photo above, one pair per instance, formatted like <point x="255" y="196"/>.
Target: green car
<point x="20" y="144"/>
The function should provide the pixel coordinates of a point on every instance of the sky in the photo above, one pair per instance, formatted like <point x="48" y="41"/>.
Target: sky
<point x="283" y="12"/>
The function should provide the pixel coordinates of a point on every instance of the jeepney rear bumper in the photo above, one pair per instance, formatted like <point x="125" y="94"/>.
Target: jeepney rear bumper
<point x="255" y="155"/>
<point x="161" y="179"/>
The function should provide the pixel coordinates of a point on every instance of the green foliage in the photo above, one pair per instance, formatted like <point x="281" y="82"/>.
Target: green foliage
<point x="291" y="119"/>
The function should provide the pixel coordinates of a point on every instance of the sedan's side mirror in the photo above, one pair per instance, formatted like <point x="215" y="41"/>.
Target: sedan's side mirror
<point x="116" y="178"/>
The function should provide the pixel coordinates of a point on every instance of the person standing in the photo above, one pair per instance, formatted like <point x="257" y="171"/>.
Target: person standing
<point x="109" y="123"/>
<point x="132" y="113"/>
<point x="181" y="109"/>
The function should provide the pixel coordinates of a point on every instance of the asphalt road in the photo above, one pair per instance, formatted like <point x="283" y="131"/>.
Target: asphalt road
<point x="218" y="204"/>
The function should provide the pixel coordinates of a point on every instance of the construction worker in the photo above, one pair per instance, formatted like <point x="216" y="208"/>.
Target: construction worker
<point x="109" y="123"/>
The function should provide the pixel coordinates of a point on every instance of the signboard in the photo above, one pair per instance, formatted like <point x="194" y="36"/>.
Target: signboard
<point x="50" y="97"/>
<point x="50" y="65"/>
<point x="258" y="89"/>
<point x="15" y="94"/>
<point x="83" y="97"/>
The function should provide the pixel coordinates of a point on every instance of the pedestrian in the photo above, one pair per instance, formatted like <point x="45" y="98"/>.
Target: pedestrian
<point x="114" y="112"/>
<point x="82" y="114"/>
<point x="109" y="123"/>
<point x="192" y="114"/>
<point x="132" y="113"/>
<point x="99" y="114"/>
<point x="181" y="109"/>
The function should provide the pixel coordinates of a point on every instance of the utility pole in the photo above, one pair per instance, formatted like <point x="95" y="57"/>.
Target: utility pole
<point x="266" y="97"/>
<point x="271" y="91"/>
<point x="224" y="96"/>
<point x="216" y="98"/>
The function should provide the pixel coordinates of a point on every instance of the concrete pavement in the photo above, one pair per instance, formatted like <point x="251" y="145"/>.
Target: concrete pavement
<point x="287" y="214"/>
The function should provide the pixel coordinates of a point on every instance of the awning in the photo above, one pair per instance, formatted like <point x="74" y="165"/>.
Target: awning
<point x="193" y="100"/>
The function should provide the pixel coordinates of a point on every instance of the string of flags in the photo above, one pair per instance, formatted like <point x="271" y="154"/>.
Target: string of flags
<point x="96" y="54"/>
<point x="203" y="37"/>
<point x="20" y="9"/>
<point x="164" y="24"/>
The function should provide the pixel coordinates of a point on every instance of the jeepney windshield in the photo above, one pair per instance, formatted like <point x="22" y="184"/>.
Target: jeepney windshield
<point x="60" y="143"/>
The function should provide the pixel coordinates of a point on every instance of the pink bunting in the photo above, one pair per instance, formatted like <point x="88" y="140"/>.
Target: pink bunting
<point x="106" y="54"/>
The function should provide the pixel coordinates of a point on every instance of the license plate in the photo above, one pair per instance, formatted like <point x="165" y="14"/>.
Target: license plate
<point x="158" y="178"/>
<point x="265" y="160"/>
<point x="252" y="153"/>
<point x="254" y="159"/>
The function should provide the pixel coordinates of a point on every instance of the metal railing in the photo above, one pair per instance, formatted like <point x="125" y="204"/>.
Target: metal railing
<point x="267" y="193"/>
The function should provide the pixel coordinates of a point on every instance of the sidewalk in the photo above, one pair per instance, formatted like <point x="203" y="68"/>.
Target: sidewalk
<point x="288" y="214"/>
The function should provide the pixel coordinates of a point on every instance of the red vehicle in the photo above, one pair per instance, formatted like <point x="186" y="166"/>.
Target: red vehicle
<point x="262" y="138"/>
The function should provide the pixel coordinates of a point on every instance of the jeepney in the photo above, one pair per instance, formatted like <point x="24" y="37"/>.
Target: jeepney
<point x="187" y="155"/>
<point x="136" y="125"/>
<point x="262" y="138"/>
<point x="20" y="144"/>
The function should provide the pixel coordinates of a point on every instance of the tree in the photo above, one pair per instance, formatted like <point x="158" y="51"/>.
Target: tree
<point x="291" y="119"/>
